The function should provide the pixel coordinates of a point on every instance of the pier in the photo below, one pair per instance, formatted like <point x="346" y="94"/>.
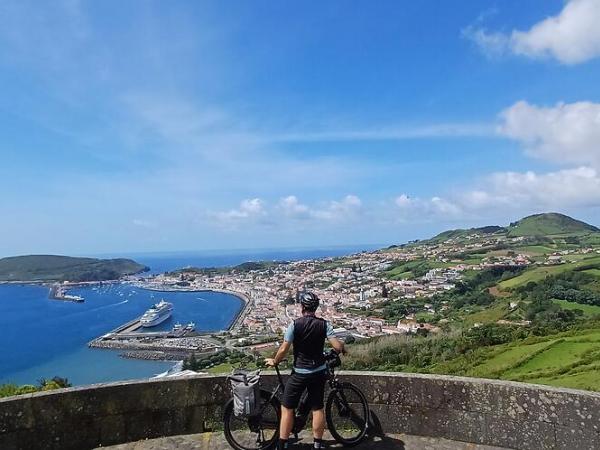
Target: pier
<point x="58" y="292"/>
<point x="168" y="344"/>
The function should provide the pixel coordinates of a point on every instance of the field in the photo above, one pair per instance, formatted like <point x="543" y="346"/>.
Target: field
<point x="487" y="314"/>
<point x="568" y="360"/>
<point x="588" y="310"/>
<point x="535" y="274"/>
<point x="535" y="250"/>
<point x="588" y="264"/>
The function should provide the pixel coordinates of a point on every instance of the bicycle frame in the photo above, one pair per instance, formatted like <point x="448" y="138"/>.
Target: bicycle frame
<point x="301" y="413"/>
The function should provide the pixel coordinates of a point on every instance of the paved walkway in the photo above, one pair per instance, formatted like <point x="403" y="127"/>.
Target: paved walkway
<point x="216" y="441"/>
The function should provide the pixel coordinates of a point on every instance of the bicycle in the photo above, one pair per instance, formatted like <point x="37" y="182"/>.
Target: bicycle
<point x="346" y="413"/>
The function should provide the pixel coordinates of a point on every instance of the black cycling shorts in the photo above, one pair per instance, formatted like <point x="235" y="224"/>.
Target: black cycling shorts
<point x="298" y="382"/>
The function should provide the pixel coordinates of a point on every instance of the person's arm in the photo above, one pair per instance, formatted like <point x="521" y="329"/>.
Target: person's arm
<point x="337" y="345"/>
<point x="284" y="348"/>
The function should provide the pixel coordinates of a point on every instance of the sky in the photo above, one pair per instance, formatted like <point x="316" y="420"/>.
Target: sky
<point x="133" y="126"/>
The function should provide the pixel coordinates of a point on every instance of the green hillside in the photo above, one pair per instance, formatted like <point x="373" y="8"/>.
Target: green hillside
<point x="568" y="359"/>
<point x="549" y="224"/>
<point x="460" y="232"/>
<point x="65" y="268"/>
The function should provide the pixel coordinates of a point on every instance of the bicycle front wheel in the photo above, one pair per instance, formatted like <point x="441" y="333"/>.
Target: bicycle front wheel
<point x="347" y="413"/>
<point x="257" y="432"/>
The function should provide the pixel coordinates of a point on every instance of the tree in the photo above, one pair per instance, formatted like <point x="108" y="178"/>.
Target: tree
<point x="384" y="291"/>
<point x="422" y="331"/>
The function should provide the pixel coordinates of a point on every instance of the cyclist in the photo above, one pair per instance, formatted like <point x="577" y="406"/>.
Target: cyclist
<point x="308" y="334"/>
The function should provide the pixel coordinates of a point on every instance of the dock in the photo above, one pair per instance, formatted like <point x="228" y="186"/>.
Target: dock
<point x="179" y="342"/>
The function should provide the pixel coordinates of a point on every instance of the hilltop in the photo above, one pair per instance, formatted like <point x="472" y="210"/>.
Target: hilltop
<point x="549" y="224"/>
<point x="66" y="268"/>
<point x="537" y="225"/>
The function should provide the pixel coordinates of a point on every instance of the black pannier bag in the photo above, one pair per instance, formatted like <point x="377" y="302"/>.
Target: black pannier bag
<point x="245" y="390"/>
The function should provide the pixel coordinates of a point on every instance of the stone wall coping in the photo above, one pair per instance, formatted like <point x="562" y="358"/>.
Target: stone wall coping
<point x="491" y="412"/>
<point x="406" y="375"/>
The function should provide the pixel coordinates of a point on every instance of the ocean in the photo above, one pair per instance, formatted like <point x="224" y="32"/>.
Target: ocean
<point x="43" y="338"/>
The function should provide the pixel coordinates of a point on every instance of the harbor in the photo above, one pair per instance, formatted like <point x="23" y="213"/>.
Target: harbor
<point x="109" y="307"/>
<point x="176" y="343"/>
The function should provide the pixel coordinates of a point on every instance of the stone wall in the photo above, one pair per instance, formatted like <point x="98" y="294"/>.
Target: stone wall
<point x="505" y="414"/>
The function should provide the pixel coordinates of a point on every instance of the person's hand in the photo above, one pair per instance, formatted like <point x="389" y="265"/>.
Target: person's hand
<point x="270" y="362"/>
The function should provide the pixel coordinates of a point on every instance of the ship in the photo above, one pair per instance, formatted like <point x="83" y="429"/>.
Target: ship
<point x="157" y="314"/>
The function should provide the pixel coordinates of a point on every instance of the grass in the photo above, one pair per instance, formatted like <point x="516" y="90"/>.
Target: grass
<point x="489" y="314"/>
<point x="541" y="272"/>
<point x="569" y="360"/>
<point x="594" y="272"/>
<point x="221" y="368"/>
<point x="557" y="355"/>
<point x="586" y="379"/>
<point x="588" y="310"/>
<point x="535" y="250"/>
<point x="536" y="274"/>
<point x="506" y="359"/>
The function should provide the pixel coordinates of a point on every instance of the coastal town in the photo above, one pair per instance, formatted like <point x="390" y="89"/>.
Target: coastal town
<point x="350" y="288"/>
<point x="356" y="291"/>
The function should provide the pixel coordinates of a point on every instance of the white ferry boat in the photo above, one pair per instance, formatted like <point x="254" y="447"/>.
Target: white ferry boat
<point x="157" y="314"/>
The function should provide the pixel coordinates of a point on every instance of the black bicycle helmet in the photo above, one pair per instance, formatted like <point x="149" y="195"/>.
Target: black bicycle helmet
<point x="309" y="301"/>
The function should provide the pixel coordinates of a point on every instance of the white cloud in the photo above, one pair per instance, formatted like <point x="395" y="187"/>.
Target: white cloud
<point x="419" y="209"/>
<point x="570" y="188"/>
<point x="508" y="191"/>
<point x="491" y="44"/>
<point x="249" y="209"/>
<point x="291" y="207"/>
<point x="347" y="208"/>
<point x="571" y="37"/>
<point x="566" y="133"/>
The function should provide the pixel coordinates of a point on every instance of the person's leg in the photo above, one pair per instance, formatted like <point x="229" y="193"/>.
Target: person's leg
<point x="318" y="423"/>
<point x="287" y="422"/>
<point x="291" y="396"/>
<point x="316" y="392"/>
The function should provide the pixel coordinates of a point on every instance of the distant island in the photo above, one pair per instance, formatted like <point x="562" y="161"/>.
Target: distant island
<point x="53" y="268"/>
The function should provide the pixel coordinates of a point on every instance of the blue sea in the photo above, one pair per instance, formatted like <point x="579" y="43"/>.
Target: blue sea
<point x="167" y="261"/>
<point x="42" y="338"/>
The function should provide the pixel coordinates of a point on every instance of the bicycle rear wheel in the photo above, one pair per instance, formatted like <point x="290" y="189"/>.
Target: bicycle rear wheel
<point x="257" y="432"/>
<point x="347" y="413"/>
